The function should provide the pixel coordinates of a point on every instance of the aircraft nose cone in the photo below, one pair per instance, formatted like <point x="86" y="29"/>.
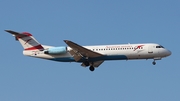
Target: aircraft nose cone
<point x="168" y="52"/>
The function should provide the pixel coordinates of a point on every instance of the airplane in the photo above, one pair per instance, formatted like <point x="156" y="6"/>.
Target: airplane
<point x="92" y="56"/>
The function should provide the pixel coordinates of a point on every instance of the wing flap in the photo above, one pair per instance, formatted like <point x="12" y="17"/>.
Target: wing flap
<point x="75" y="55"/>
<point x="97" y="63"/>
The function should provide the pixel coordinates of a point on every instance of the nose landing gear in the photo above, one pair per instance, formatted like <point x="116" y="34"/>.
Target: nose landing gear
<point x="154" y="62"/>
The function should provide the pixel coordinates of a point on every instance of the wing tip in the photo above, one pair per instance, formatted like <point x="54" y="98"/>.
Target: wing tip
<point x="66" y="41"/>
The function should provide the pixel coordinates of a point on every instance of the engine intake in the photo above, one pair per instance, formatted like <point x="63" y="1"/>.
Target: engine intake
<point x="56" y="50"/>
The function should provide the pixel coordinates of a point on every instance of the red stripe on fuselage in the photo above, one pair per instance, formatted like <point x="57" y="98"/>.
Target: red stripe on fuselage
<point x="39" y="47"/>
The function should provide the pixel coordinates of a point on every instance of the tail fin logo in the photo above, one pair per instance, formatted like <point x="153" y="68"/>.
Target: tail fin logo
<point x="138" y="47"/>
<point x="27" y="41"/>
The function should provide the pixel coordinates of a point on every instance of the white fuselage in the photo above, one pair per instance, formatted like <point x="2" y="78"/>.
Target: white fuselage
<point x="110" y="52"/>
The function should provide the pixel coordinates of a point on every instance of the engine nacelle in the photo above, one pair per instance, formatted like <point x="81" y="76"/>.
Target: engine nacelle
<point x="56" y="50"/>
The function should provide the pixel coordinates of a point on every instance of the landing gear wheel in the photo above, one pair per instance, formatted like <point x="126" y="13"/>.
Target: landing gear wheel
<point x="154" y="63"/>
<point x="91" y="68"/>
<point x="86" y="63"/>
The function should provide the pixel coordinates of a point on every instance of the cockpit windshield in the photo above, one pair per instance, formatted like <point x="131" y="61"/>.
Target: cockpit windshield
<point x="159" y="47"/>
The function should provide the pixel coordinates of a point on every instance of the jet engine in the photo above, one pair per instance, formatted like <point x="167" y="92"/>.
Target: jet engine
<point x="56" y="50"/>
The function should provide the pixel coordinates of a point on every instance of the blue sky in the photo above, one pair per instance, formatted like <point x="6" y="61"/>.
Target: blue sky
<point x="90" y="23"/>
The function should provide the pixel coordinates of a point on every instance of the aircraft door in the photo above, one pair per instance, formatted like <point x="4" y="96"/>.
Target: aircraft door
<point x="150" y="49"/>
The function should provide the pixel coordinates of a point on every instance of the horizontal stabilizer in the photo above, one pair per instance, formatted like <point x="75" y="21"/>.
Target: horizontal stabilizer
<point x="17" y="34"/>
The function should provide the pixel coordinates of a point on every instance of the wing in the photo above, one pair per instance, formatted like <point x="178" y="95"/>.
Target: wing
<point x="79" y="53"/>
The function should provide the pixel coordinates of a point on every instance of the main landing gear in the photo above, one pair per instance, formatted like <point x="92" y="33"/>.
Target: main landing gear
<point x="91" y="68"/>
<point x="86" y="63"/>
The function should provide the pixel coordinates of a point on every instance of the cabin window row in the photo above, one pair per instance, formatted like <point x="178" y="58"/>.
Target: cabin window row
<point x="115" y="49"/>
